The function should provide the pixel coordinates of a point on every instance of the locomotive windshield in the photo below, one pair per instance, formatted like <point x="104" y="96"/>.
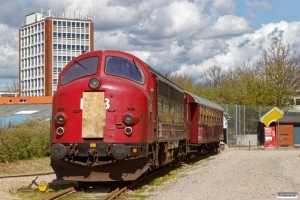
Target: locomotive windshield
<point x="125" y="68"/>
<point x="84" y="67"/>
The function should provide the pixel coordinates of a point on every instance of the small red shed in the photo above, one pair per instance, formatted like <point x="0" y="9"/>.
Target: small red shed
<point x="288" y="130"/>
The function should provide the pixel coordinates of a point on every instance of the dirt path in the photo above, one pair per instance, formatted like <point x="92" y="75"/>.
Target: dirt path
<point x="237" y="174"/>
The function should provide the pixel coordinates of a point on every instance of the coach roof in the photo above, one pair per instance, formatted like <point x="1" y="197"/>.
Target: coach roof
<point x="205" y="102"/>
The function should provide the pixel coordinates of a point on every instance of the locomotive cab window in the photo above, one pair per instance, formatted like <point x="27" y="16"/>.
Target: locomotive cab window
<point x="81" y="68"/>
<point x="125" y="68"/>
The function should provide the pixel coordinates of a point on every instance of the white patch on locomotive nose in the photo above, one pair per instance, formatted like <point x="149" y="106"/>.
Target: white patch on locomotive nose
<point x="81" y="103"/>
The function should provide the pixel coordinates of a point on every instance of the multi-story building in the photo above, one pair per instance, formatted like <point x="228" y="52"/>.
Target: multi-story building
<point x="46" y="45"/>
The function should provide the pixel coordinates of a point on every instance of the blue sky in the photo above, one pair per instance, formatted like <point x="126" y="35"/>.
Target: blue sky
<point x="178" y="36"/>
<point x="265" y="12"/>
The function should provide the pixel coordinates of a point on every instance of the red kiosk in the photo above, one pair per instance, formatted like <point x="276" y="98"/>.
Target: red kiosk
<point x="270" y="137"/>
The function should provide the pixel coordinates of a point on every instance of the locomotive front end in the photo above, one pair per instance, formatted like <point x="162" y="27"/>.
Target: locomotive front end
<point x="99" y="118"/>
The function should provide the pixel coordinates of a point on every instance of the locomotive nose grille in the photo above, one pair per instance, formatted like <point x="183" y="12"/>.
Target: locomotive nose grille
<point x="93" y="114"/>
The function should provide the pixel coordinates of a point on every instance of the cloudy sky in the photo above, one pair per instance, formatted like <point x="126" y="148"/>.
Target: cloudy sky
<point x="180" y="36"/>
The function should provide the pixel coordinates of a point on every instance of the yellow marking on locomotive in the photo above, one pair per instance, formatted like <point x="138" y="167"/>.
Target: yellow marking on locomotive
<point x="134" y="150"/>
<point x="93" y="115"/>
<point x="92" y="144"/>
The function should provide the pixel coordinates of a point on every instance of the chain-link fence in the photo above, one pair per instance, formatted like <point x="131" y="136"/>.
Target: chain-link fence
<point x="245" y="120"/>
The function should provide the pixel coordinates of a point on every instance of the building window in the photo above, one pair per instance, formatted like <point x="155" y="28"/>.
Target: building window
<point x="54" y="23"/>
<point x="54" y="34"/>
<point x="59" y="23"/>
<point x="69" y="24"/>
<point x="87" y="25"/>
<point x="64" y="23"/>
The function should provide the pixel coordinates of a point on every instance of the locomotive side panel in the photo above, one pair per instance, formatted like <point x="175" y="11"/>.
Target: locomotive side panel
<point x="170" y="109"/>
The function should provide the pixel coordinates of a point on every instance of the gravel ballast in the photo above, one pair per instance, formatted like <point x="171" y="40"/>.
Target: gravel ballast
<point x="231" y="174"/>
<point x="237" y="174"/>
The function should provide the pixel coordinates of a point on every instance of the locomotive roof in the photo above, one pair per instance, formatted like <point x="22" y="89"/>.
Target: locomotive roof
<point x="205" y="102"/>
<point x="164" y="79"/>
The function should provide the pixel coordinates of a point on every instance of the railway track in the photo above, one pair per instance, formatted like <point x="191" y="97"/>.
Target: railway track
<point x="26" y="175"/>
<point x="67" y="191"/>
<point x="116" y="192"/>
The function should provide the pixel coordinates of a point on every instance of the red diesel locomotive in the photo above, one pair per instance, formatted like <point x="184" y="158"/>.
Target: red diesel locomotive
<point x="115" y="118"/>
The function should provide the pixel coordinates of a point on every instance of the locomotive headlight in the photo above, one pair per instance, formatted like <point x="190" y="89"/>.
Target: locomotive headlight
<point x="128" y="119"/>
<point x="128" y="130"/>
<point x="94" y="83"/>
<point x="60" y="118"/>
<point x="60" y="131"/>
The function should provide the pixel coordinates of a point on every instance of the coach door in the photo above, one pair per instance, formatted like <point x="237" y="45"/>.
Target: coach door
<point x="297" y="135"/>
<point x="194" y="116"/>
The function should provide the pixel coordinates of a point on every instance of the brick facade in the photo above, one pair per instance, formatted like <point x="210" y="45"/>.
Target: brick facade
<point x="285" y="133"/>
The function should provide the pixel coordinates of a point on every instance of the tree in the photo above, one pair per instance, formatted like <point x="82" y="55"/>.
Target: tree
<point x="13" y="86"/>
<point x="213" y="76"/>
<point x="185" y="81"/>
<point x="280" y="67"/>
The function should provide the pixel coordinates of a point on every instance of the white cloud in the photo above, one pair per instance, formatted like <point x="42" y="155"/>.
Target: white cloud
<point x="170" y="35"/>
<point x="227" y="25"/>
<point x="259" y="4"/>
<point x="223" y="6"/>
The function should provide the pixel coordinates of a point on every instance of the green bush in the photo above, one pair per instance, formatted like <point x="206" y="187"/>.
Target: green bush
<point x="28" y="140"/>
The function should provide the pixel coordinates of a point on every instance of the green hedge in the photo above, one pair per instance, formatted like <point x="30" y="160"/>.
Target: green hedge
<point x="28" y="140"/>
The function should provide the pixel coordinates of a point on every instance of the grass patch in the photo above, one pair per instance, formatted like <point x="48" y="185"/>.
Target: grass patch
<point x="27" y="140"/>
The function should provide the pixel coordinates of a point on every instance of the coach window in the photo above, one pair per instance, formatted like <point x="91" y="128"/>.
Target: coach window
<point x="124" y="68"/>
<point x="80" y="69"/>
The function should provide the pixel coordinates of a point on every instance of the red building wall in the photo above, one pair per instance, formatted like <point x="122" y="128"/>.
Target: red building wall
<point x="285" y="134"/>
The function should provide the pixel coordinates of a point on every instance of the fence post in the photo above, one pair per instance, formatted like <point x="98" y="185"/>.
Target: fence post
<point x="239" y="145"/>
<point x="249" y="145"/>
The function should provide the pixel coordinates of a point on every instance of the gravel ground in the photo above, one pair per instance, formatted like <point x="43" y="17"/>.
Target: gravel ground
<point x="12" y="184"/>
<point x="237" y="174"/>
<point x="231" y="174"/>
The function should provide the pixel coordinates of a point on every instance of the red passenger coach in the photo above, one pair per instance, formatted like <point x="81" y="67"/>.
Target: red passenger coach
<point x="115" y="118"/>
<point x="205" y="123"/>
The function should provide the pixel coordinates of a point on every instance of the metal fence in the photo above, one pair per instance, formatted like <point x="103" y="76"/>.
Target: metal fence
<point x="244" y="120"/>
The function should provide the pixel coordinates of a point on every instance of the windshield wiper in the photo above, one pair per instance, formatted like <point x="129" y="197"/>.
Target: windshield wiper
<point x="136" y="66"/>
<point x="80" y="64"/>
